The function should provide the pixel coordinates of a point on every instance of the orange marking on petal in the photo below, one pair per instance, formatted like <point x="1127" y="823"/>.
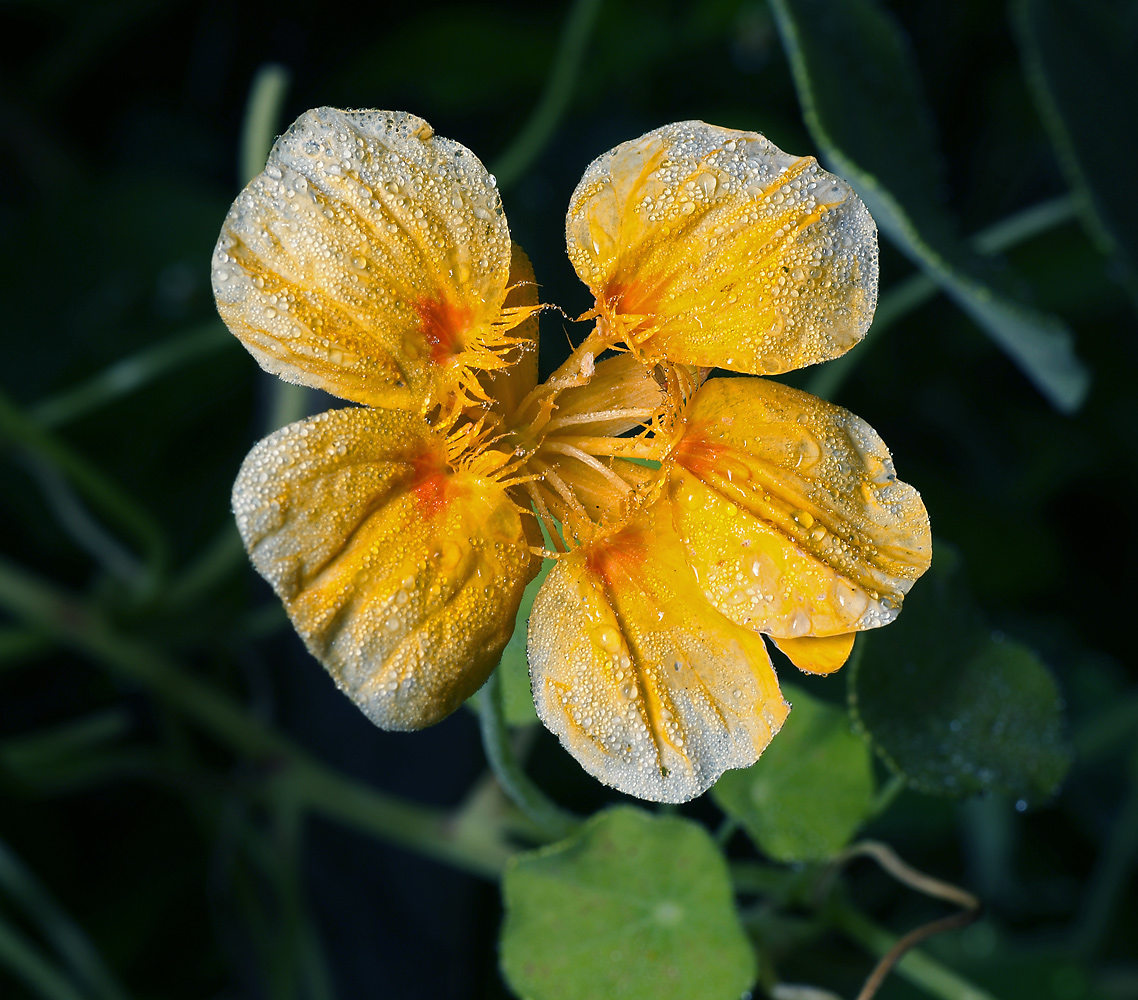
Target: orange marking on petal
<point x="443" y="325"/>
<point x="429" y="485"/>
<point x="709" y="460"/>
<point x="619" y="556"/>
<point x="628" y="297"/>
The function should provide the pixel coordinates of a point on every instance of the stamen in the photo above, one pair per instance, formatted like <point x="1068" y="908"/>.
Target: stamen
<point x="545" y="517"/>
<point x="573" y="505"/>
<point x="653" y="448"/>
<point x="561" y="448"/>
<point x="631" y="413"/>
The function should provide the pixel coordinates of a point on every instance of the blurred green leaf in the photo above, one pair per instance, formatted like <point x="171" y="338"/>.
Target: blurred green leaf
<point x="443" y="56"/>
<point x="77" y="753"/>
<point x="71" y="945"/>
<point x="805" y="797"/>
<point x="633" y="906"/>
<point x="1080" y="58"/>
<point x="954" y="708"/>
<point x="862" y="102"/>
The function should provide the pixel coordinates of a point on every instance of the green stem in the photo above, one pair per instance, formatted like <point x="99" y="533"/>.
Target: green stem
<point x="926" y="973"/>
<point x="531" y="140"/>
<point x="222" y="556"/>
<point x="17" y="427"/>
<point x="287" y="404"/>
<point x="131" y="373"/>
<point x="550" y="818"/>
<point x="1111" y="875"/>
<point x="25" y="963"/>
<point x="20" y="644"/>
<point x="887" y="795"/>
<point x="84" y="529"/>
<point x="64" y="935"/>
<point x="917" y="289"/>
<point x="262" y="114"/>
<point x="428" y="831"/>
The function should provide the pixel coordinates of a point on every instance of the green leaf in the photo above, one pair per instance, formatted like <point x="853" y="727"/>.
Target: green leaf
<point x="1079" y="57"/>
<point x="861" y="100"/>
<point x="805" y="797"/>
<point x="632" y="906"/>
<point x="954" y="708"/>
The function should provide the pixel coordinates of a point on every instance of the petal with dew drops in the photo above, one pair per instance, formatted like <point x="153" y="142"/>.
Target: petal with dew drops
<point x="818" y="654"/>
<point x="652" y="690"/>
<point x="402" y="576"/>
<point x="791" y="513"/>
<point x="370" y="259"/>
<point x="712" y="247"/>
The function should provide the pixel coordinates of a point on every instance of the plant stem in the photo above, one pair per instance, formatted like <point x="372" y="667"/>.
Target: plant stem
<point x="65" y="936"/>
<point x="549" y="817"/>
<point x="428" y="831"/>
<point x="1111" y="874"/>
<point x="25" y="962"/>
<point x="887" y="795"/>
<point x="917" y="289"/>
<point x="918" y="968"/>
<point x="131" y="373"/>
<point x="262" y="115"/>
<point x="89" y="480"/>
<point x="535" y="133"/>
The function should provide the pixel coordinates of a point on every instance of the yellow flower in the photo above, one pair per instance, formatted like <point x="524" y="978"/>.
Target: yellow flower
<point x="690" y="517"/>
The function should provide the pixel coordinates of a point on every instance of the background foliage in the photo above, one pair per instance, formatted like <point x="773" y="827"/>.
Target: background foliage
<point x="187" y="806"/>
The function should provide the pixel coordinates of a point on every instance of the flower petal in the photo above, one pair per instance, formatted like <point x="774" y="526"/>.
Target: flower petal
<point x="818" y="654"/>
<point x="652" y="690"/>
<point x="368" y="259"/>
<point x="709" y="246"/>
<point x="402" y="577"/>
<point x="791" y="513"/>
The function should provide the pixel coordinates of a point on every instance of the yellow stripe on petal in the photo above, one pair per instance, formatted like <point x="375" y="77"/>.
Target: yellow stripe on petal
<point x="791" y="513"/>
<point x="822" y="654"/>
<point x="402" y="576"/>
<point x="370" y="259"/>
<point x="711" y="247"/>
<point x="652" y="690"/>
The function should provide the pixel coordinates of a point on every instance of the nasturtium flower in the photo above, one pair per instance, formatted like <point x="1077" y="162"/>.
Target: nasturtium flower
<point x="689" y="517"/>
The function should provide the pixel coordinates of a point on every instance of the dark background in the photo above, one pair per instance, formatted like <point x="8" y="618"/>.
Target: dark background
<point x="119" y="160"/>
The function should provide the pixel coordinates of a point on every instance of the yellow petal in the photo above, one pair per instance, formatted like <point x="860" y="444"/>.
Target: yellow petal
<point x="643" y="681"/>
<point x="402" y="576"/>
<point x="370" y="258"/>
<point x="710" y="246"/>
<point x="791" y="513"/>
<point x="821" y="654"/>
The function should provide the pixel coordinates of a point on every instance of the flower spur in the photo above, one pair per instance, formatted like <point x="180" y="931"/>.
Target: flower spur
<point x="690" y="517"/>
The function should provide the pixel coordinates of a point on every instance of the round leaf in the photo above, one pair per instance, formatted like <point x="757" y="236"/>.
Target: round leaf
<point x="953" y="708"/>
<point x="633" y="906"/>
<point x="805" y="797"/>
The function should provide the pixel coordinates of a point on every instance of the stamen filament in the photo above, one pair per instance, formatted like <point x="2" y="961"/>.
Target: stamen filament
<point x="631" y="413"/>
<point x="561" y="448"/>
<point x="573" y="505"/>
<point x="544" y="516"/>
<point x="638" y="447"/>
